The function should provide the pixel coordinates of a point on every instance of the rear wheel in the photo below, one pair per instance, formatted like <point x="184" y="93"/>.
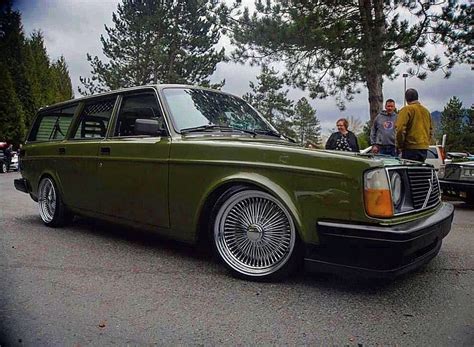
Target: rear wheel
<point x="50" y="204"/>
<point x="3" y="168"/>
<point x="254" y="235"/>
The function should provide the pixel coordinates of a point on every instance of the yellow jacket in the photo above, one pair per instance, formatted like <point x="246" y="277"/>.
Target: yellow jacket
<point x="414" y="127"/>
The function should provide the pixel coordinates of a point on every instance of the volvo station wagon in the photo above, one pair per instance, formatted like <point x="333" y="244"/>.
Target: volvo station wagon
<point x="197" y="164"/>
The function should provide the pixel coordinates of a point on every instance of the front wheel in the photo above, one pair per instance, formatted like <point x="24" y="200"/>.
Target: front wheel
<point x="254" y="235"/>
<point x="3" y="168"/>
<point x="50" y="204"/>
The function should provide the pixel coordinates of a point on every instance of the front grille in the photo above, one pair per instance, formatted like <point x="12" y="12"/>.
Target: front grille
<point x="420" y="182"/>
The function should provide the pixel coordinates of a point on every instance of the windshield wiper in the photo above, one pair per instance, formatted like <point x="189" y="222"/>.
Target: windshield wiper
<point x="271" y="132"/>
<point x="211" y="127"/>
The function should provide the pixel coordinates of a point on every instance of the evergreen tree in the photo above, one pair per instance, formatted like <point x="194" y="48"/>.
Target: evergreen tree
<point x="271" y="101"/>
<point x="12" y="123"/>
<point x="364" y="136"/>
<point x="12" y="43"/>
<point x="41" y="68"/>
<point x="332" y="47"/>
<point x="36" y="81"/>
<point x="157" y="41"/>
<point x="62" y="81"/>
<point x="468" y="131"/>
<point x="452" y="124"/>
<point x="308" y="128"/>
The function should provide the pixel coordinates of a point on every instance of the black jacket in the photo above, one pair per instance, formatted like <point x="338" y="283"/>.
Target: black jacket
<point x="351" y="140"/>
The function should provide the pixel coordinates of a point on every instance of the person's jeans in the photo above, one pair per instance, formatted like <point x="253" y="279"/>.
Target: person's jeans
<point x="388" y="150"/>
<point x="415" y="154"/>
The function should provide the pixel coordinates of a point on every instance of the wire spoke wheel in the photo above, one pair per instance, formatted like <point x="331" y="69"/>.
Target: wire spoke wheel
<point x="254" y="233"/>
<point x="47" y="200"/>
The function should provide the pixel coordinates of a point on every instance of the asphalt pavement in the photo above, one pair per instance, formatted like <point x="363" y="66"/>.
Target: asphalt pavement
<point x="94" y="283"/>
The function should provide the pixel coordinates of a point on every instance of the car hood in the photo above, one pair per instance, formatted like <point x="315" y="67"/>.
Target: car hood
<point x="287" y="148"/>
<point x="462" y="163"/>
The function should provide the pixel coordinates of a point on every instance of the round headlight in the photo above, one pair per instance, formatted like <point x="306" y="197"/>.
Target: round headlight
<point x="396" y="188"/>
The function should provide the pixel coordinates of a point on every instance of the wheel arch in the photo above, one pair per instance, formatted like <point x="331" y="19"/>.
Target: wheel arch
<point x="51" y="174"/>
<point x="252" y="181"/>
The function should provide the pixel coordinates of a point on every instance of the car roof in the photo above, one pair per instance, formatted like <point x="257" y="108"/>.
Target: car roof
<point x="122" y="90"/>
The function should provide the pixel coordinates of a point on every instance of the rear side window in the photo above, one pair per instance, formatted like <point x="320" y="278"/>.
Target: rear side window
<point x="52" y="125"/>
<point x="138" y="106"/>
<point x="94" y="119"/>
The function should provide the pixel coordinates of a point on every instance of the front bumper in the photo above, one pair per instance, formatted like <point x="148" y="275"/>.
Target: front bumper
<point x="456" y="188"/>
<point x="379" y="251"/>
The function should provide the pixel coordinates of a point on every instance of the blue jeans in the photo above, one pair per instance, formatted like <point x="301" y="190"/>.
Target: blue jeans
<point x="387" y="150"/>
<point x="415" y="154"/>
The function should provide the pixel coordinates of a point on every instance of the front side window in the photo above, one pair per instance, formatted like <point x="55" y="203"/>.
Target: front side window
<point x="94" y="119"/>
<point x="133" y="107"/>
<point x="52" y="125"/>
<point x="196" y="107"/>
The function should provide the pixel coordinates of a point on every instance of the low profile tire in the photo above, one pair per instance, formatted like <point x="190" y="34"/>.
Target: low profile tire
<point x="50" y="204"/>
<point x="254" y="235"/>
<point x="3" y="168"/>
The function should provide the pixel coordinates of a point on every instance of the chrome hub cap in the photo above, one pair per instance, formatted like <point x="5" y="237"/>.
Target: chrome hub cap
<point x="47" y="200"/>
<point x="254" y="233"/>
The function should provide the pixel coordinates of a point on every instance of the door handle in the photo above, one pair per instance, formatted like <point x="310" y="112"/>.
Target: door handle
<point x="105" y="150"/>
<point x="62" y="150"/>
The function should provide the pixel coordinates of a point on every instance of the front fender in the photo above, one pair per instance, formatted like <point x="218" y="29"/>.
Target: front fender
<point x="263" y="182"/>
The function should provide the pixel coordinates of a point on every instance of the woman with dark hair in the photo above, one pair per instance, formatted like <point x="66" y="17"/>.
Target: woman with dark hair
<point x="343" y="139"/>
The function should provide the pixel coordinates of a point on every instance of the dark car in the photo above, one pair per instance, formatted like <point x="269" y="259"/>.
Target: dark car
<point x="457" y="180"/>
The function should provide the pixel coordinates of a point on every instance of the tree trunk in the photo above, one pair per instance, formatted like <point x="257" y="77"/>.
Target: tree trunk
<point x="373" y="30"/>
<point x="374" y="85"/>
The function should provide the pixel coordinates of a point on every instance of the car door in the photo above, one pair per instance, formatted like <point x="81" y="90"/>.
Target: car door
<point x="133" y="168"/>
<point x="77" y="167"/>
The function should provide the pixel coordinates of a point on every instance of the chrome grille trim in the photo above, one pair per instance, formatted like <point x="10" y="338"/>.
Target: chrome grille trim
<point x="425" y="194"/>
<point x="424" y="187"/>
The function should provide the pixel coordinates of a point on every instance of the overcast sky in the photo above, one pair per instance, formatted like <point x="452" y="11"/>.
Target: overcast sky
<point x="72" y="28"/>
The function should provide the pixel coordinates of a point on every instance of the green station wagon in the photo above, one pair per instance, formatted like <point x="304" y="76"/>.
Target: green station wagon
<point x="197" y="164"/>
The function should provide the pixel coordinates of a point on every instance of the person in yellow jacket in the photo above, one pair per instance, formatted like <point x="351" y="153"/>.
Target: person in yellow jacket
<point x="414" y="128"/>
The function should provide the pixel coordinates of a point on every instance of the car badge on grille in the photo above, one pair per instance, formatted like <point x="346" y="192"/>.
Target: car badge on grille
<point x="430" y="182"/>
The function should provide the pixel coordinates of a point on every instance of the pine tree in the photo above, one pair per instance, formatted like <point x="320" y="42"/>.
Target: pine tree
<point x="36" y="81"/>
<point x="42" y="69"/>
<point x="452" y="123"/>
<point x="12" y="43"/>
<point x="271" y="101"/>
<point x="62" y="81"/>
<point x="333" y="47"/>
<point x="468" y="131"/>
<point x="307" y="125"/>
<point x="157" y="41"/>
<point x="12" y="122"/>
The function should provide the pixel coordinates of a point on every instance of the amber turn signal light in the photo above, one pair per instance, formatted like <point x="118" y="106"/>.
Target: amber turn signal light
<point x="377" y="196"/>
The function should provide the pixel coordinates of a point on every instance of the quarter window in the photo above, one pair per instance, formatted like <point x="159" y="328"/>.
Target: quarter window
<point x="138" y="106"/>
<point x="431" y="154"/>
<point x="52" y="125"/>
<point x="94" y="119"/>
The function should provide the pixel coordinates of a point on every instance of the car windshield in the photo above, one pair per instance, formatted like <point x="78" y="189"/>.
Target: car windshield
<point x="203" y="110"/>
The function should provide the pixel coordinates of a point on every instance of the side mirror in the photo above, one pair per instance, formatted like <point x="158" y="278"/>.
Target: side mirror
<point x="153" y="127"/>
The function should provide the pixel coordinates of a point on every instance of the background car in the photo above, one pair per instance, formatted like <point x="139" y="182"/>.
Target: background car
<point x="14" y="162"/>
<point x="459" y="156"/>
<point x="457" y="180"/>
<point x="435" y="155"/>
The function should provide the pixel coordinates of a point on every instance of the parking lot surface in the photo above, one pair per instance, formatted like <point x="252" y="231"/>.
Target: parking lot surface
<point x="94" y="283"/>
